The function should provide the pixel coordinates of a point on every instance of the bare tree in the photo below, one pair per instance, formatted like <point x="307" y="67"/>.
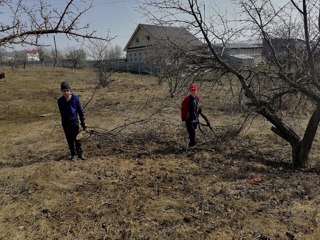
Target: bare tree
<point x="42" y="55"/>
<point x="98" y="51"/>
<point x="114" y="53"/>
<point x="21" y="57"/>
<point x="75" y="56"/>
<point x="104" y="56"/>
<point x="26" y="21"/>
<point x="172" y="65"/>
<point x="291" y="75"/>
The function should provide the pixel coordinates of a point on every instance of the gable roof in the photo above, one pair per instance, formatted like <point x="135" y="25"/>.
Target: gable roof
<point x="176" y="35"/>
<point x="32" y="52"/>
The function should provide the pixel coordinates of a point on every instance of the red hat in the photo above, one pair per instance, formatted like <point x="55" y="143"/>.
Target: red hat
<point x="193" y="87"/>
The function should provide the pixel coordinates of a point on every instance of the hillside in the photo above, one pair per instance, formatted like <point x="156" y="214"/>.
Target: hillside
<point x="139" y="182"/>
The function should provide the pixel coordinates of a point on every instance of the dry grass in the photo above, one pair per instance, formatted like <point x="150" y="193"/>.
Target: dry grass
<point x="140" y="183"/>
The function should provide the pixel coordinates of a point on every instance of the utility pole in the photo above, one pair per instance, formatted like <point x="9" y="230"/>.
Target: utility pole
<point x="55" y="51"/>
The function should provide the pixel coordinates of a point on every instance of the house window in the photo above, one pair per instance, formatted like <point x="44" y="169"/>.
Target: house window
<point x="137" y="40"/>
<point x="148" y="38"/>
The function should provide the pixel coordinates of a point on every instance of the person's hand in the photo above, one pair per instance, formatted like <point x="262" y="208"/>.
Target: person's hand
<point x="183" y="124"/>
<point x="83" y="125"/>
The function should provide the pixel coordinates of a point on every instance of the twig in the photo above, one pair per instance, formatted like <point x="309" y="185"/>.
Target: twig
<point x="53" y="129"/>
<point x="206" y="120"/>
<point x="120" y="128"/>
<point x="94" y="92"/>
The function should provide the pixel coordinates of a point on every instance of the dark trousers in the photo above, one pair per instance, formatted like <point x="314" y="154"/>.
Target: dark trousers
<point x="191" y="127"/>
<point x="71" y="131"/>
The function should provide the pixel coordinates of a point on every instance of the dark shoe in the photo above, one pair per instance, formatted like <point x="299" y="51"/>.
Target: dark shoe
<point x="82" y="157"/>
<point x="191" y="145"/>
<point x="73" y="158"/>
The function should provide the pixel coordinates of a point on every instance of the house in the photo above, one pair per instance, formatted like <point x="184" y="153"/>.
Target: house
<point x="246" y="50"/>
<point x="286" y="49"/>
<point x="32" y="55"/>
<point x="242" y="53"/>
<point x="149" y="41"/>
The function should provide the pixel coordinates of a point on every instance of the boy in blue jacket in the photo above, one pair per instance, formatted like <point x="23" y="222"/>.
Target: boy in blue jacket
<point x="70" y="108"/>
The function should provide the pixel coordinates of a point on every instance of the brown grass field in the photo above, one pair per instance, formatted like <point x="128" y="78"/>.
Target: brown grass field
<point x="139" y="182"/>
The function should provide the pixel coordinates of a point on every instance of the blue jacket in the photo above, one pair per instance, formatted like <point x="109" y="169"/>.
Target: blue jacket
<point x="70" y="110"/>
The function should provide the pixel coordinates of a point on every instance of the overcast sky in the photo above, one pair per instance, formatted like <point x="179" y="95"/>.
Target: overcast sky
<point x="119" y="16"/>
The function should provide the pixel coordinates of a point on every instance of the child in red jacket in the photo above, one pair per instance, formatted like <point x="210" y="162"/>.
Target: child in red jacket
<point x="190" y="113"/>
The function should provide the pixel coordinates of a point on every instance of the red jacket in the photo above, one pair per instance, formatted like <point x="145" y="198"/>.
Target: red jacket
<point x="190" y="108"/>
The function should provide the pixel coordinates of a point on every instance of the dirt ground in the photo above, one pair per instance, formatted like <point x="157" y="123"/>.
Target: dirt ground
<point x="139" y="182"/>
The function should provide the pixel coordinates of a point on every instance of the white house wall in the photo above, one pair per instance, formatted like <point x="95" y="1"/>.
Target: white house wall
<point x="141" y="39"/>
<point x="246" y="51"/>
<point x="137" y="55"/>
<point x="33" y="57"/>
<point x="137" y="51"/>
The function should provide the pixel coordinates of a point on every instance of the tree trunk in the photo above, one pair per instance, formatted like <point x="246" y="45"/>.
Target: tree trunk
<point x="300" y="152"/>
<point x="300" y="148"/>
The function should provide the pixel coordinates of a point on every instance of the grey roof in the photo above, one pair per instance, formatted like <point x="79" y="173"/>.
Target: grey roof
<point x="242" y="44"/>
<point x="176" y="35"/>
